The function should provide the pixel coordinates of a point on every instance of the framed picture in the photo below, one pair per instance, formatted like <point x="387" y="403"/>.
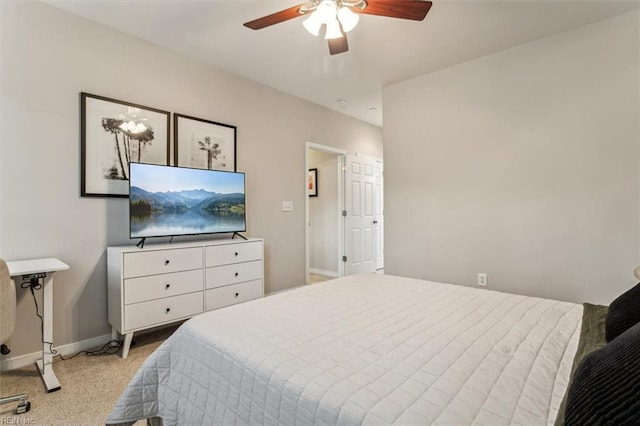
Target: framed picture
<point x="312" y="183"/>
<point x="204" y="144"/>
<point x="113" y="134"/>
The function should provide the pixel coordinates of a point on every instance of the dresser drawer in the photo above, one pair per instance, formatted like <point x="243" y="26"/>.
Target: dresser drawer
<point x="155" y="312"/>
<point x="232" y="294"/>
<point x="232" y="274"/>
<point x="154" y="262"/>
<point x="233" y="253"/>
<point x="154" y="287"/>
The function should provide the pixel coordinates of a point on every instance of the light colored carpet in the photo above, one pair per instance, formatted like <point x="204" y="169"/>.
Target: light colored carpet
<point x="90" y="386"/>
<point x="317" y="278"/>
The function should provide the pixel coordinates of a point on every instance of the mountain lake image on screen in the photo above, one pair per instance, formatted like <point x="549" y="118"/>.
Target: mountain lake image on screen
<point x="173" y="201"/>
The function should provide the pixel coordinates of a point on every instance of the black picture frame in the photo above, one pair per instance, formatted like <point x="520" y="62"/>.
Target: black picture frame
<point x="107" y="145"/>
<point x="204" y="144"/>
<point x="312" y="183"/>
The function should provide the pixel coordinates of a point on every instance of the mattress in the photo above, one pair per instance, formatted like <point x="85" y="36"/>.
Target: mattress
<point x="363" y="349"/>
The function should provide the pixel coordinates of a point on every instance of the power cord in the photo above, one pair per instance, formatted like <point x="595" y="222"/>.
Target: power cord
<point x="110" y="348"/>
<point x="34" y="284"/>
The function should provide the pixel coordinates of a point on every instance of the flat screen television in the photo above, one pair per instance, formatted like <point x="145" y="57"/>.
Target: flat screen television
<point x="172" y="201"/>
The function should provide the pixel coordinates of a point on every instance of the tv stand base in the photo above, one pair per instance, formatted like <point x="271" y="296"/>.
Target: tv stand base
<point x="239" y="235"/>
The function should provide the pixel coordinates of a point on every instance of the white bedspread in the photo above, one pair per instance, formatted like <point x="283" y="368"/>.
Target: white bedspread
<point x="364" y="349"/>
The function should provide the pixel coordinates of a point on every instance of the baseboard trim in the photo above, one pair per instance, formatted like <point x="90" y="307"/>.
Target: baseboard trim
<point x="332" y="274"/>
<point x="71" y="348"/>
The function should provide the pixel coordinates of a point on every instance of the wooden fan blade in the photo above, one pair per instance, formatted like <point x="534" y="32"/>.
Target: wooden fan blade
<point x="274" y="18"/>
<point x="415" y="10"/>
<point x="338" y="45"/>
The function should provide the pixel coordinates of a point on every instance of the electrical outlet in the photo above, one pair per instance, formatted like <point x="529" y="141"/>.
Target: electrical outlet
<point x="482" y="279"/>
<point x="35" y="276"/>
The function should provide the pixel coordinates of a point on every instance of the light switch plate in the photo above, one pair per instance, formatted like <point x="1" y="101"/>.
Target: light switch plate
<point x="287" y="206"/>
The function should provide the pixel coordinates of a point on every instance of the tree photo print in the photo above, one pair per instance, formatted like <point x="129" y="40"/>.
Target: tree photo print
<point x="114" y="134"/>
<point x="204" y="144"/>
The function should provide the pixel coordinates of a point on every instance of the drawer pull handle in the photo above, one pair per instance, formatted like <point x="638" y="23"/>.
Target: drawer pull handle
<point x="236" y="253"/>
<point x="236" y="274"/>
<point x="166" y="287"/>
<point x="166" y="311"/>
<point x="166" y="262"/>
<point x="237" y="294"/>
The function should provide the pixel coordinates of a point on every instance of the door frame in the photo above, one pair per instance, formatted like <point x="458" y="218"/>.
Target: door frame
<point x="342" y="154"/>
<point x="381" y="226"/>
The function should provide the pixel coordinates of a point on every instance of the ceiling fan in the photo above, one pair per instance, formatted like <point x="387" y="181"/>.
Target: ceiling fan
<point x="340" y="16"/>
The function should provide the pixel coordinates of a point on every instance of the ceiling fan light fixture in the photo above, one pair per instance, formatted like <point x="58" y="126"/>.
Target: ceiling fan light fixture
<point x="313" y="24"/>
<point x="326" y="11"/>
<point x="347" y="18"/>
<point x="333" y="30"/>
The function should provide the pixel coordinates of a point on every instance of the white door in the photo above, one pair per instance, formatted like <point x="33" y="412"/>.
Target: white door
<point x="361" y="200"/>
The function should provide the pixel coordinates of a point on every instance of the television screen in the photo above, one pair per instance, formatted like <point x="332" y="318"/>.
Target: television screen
<point x="172" y="201"/>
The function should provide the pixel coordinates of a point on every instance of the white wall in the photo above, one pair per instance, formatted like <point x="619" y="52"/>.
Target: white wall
<point x="323" y="215"/>
<point x="523" y="164"/>
<point x="48" y="58"/>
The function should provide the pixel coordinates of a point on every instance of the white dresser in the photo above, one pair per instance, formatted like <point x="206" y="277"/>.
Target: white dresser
<point x="163" y="283"/>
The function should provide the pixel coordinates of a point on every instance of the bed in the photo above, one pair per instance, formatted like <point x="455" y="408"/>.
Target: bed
<point x="363" y="349"/>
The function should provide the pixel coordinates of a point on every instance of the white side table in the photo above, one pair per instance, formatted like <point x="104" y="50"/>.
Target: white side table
<point x="25" y="269"/>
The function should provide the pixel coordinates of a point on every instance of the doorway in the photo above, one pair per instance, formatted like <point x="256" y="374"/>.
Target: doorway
<point x="344" y="214"/>
<point x="324" y="207"/>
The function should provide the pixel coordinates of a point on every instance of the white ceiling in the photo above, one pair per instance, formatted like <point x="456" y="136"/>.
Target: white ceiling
<point x="382" y="51"/>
